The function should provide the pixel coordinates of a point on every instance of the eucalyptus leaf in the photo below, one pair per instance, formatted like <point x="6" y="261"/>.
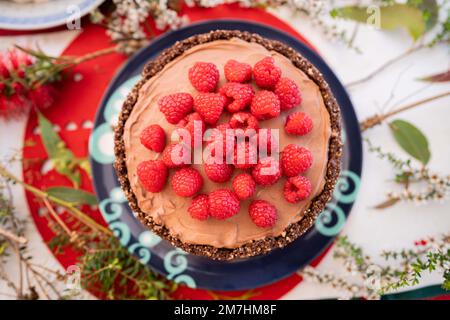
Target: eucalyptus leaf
<point x="388" y="203"/>
<point x="430" y="11"/>
<point x="390" y="17"/>
<point x="439" y="77"/>
<point x="73" y="196"/>
<point x="62" y="158"/>
<point x="411" y="139"/>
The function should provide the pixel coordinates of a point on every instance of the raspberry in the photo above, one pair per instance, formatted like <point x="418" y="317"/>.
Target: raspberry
<point x="176" y="155"/>
<point x="268" y="142"/>
<point x="223" y="204"/>
<point x="295" y="160"/>
<point x="186" y="182"/>
<point x="176" y="106"/>
<point x="267" y="171"/>
<point x="240" y="95"/>
<point x="222" y="135"/>
<point x="194" y="125"/>
<point x="199" y="208"/>
<point x="152" y="174"/>
<point x="153" y="137"/>
<point x="244" y="186"/>
<point x="204" y="76"/>
<point x="288" y="93"/>
<point x="238" y="71"/>
<point x="297" y="189"/>
<point x="210" y="106"/>
<point x="265" y="105"/>
<point x="266" y="73"/>
<point x="218" y="172"/>
<point x="263" y="213"/>
<point x="298" y="123"/>
<point x="245" y="121"/>
<point x="245" y="155"/>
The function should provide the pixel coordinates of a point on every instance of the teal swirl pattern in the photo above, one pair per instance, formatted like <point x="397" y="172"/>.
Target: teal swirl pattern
<point x="325" y="219"/>
<point x="112" y="209"/>
<point x="175" y="263"/>
<point x="101" y="148"/>
<point x="331" y="220"/>
<point x="101" y="142"/>
<point x="345" y="191"/>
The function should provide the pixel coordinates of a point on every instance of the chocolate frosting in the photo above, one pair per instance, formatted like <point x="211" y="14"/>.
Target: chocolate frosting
<point x="170" y="210"/>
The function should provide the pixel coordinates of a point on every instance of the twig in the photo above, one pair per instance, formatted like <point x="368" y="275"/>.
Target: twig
<point x="46" y="281"/>
<point x="8" y="281"/>
<point x="379" y="118"/>
<point x="385" y="65"/>
<point x="11" y="236"/>
<point x="57" y="218"/>
<point x="95" y="54"/>
<point x="44" y="195"/>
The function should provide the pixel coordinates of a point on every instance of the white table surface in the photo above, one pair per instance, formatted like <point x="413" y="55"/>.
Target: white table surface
<point x="394" y="228"/>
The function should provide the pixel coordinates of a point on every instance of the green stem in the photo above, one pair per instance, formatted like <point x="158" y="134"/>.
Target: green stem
<point x="44" y="195"/>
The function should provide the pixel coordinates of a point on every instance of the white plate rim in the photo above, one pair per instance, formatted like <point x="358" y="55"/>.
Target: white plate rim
<point x="88" y="5"/>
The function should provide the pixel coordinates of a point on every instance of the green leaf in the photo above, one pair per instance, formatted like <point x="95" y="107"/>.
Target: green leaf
<point x="50" y="138"/>
<point x="390" y="17"/>
<point x="74" y="196"/>
<point x="430" y="11"/>
<point x="411" y="139"/>
<point x="62" y="158"/>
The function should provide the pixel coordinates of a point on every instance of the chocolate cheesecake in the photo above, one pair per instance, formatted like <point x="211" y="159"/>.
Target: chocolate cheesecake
<point x="165" y="212"/>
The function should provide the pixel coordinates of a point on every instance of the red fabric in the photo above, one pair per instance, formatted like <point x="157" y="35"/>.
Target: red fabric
<point x="78" y="102"/>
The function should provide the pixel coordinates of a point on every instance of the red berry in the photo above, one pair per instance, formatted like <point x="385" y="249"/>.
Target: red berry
<point x="263" y="213"/>
<point x="176" y="106"/>
<point x="298" y="123"/>
<point x="245" y="121"/>
<point x="221" y="136"/>
<point x="176" y="155"/>
<point x="218" y="172"/>
<point x="297" y="189"/>
<point x="244" y="186"/>
<point x="186" y="182"/>
<point x="204" y="76"/>
<point x="194" y="126"/>
<point x="265" y="105"/>
<point x="266" y="73"/>
<point x="240" y="95"/>
<point x="199" y="208"/>
<point x="267" y="171"/>
<point x="288" y="93"/>
<point x="238" y="71"/>
<point x="210" y="106"/>
<point x="245" y="155"/>
<point x="223" y="204"/>
<point x="295" y="160"/>
<point x="268" y="141"/>
<point x="152" y="174"/>
<point x="153" y="137"/>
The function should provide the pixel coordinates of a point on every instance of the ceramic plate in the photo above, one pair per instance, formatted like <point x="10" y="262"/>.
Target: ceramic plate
<point x="197" y="271"/>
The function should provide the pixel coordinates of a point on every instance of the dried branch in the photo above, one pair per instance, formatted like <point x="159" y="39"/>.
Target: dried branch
<point x="12" y="237"/>
<point x="379" y="118"/>
<point x="385" y="66"/>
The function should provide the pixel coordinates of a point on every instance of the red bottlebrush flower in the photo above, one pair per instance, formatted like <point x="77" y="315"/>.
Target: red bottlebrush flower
<point x="13" y="106"/>
<point x="18" y="93"/>
<point x="4" y="70"/>
<point x="42" y="97"/>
